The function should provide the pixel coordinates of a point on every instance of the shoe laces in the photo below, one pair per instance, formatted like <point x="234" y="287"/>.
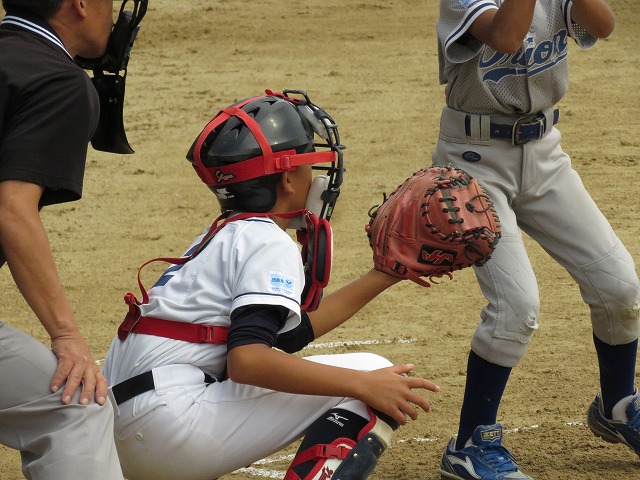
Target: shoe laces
<point x="499" y="458"/>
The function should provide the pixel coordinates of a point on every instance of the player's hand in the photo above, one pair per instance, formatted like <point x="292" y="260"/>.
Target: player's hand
<point x="392" y="392"/>
<point x="76" y="367"/>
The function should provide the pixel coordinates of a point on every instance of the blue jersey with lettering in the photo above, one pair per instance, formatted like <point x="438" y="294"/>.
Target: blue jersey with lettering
<point x="481" y="80"/>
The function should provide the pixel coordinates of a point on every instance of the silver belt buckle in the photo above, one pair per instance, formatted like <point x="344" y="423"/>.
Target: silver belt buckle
<point x="515" y="133"/>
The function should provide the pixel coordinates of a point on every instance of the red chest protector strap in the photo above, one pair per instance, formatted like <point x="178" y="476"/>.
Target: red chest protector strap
<point x="316" y="255"/>
<point x="187" y="332"/>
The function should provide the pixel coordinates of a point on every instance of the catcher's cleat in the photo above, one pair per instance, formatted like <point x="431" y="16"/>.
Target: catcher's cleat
<point x="615" y="431"/>
<point x="485" y="459"/>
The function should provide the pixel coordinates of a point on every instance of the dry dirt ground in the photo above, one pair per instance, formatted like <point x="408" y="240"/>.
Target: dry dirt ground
<point x="373" y="66"/>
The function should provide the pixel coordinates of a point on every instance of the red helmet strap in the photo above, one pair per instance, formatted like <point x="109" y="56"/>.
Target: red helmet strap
<point x="223" y="116"/>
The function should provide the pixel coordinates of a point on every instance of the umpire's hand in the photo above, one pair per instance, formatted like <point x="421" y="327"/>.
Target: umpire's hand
<point x="76" y="366"/>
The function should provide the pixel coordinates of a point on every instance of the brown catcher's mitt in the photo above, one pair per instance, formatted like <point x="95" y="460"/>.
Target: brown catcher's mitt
<point x="438" y="221"/>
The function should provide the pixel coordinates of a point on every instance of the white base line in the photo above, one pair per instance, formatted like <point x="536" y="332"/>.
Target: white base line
<point x="258" y="472"/>
<point x="359" y="342"/>
<point x="277" y="474"/>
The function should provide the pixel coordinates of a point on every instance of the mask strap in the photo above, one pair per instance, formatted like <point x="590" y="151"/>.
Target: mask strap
<point x="275" y="162"/>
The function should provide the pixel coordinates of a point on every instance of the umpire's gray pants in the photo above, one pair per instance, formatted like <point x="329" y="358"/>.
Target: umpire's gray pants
<point x="56" y="441"/>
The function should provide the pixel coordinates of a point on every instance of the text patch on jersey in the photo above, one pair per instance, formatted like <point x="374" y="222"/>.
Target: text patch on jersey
<point x="281" y="284"/>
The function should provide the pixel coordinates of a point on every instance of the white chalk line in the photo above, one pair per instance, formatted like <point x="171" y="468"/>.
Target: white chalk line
<point x="347" y="343"/>
<point x="278" y="474"/>
<point x="258" y="472"/>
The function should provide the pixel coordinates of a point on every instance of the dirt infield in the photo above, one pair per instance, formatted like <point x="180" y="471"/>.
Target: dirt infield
<point x="373" y="66"/>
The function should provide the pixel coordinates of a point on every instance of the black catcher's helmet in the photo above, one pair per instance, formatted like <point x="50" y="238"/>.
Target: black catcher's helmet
<point x="244" y="149"/>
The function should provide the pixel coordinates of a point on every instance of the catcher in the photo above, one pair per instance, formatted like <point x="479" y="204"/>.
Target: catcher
<point x="199" y="390"/>
<point x="438" y="221"/>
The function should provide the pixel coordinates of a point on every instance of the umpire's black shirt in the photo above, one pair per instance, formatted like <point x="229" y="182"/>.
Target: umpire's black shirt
<point x="49" y="110"/>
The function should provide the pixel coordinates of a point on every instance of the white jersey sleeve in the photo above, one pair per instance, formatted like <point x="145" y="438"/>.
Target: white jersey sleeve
<point x="481" y="80"/>
<point x="269" y="270"/>
<point x="455" y="19"/>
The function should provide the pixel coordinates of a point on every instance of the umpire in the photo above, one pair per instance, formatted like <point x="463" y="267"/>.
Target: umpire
<point x="53" y="402"/>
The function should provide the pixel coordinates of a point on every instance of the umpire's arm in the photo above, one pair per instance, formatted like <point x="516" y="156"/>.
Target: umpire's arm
<point x="25" y="244"/>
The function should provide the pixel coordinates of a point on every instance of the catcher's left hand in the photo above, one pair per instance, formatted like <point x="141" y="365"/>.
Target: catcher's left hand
<point x="438" y="221"/>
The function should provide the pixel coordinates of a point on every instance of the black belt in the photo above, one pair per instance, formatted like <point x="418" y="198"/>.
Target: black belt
<point x="133" y="387"/>
<point x="523" y="130"/>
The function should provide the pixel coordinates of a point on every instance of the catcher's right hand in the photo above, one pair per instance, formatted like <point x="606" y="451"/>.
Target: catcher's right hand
<point x="438" y="221"/>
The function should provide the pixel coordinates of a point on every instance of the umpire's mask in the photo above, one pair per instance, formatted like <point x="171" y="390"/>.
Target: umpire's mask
<point x="109" y="74"/>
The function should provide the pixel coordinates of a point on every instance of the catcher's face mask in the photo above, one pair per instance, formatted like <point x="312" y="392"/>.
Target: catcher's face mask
<point x="325" y="188"/>
<point x="109" y="74"/>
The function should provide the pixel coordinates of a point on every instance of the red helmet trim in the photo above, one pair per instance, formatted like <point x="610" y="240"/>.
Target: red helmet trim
<point x="260" y="166"/>
<point x="223" y="116"/>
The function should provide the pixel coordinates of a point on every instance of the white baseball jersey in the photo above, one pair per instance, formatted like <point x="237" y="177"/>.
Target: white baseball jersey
<point x="490" y="82"/>
<point x="248" y="262"/>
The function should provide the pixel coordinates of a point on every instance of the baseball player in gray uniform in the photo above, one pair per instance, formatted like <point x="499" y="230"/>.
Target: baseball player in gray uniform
<point x="199" y="390"/>
<point x="504" y="63"/>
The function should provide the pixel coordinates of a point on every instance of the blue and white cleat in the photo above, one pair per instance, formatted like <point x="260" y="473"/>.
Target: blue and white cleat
<point x="486" y="459"/>
<point x="615" y="431"/>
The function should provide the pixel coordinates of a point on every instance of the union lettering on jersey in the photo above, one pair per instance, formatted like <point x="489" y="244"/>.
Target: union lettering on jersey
<point x="536" y="57"/>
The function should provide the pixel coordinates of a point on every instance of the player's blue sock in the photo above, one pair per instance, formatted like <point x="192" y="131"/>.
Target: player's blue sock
<point x="617" y="371"/>
<point x="485" y="385"/>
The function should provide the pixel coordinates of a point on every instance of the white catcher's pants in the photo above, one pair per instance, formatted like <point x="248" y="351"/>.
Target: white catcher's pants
<point x="189" y="430"/>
